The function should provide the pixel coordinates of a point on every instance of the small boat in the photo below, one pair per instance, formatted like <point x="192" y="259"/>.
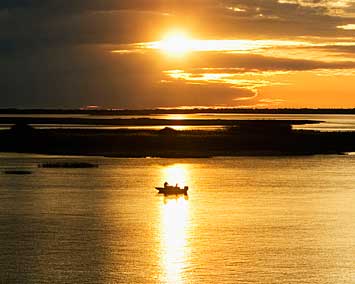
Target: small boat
<point x="172" y="190"/>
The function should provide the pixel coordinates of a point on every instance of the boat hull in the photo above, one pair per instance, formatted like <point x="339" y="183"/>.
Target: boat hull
<point x="172" y="190"/>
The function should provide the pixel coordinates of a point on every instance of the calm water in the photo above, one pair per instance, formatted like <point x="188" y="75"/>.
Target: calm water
<point x="246" y="220"/>
<point x="331" y="122"/>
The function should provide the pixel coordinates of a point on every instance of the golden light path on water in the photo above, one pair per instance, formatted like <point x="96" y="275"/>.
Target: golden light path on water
<point x="175" y="224"/>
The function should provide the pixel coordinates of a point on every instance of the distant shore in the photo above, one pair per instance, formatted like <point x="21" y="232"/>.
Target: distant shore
<point x="252" y="138"/>
<point x="146" y="121"/>
<point x="99" y="111"/>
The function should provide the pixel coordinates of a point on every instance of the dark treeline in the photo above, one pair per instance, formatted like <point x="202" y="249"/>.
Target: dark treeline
<point x="248" y="139"/>
<point x="180" y="111"/>
<point x="143" y="121"/>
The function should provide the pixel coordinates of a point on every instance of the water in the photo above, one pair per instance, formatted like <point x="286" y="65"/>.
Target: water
<point x="245" y="220"/>
<point x="331" y="122"/>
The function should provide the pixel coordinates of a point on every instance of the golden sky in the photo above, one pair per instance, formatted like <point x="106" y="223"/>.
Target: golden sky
<point x="159" y="53"/>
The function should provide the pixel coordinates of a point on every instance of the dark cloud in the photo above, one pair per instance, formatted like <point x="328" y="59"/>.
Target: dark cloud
<point x="81" y="76"/>
<point x="179" y="93"/>
<point x="41" y="22"/>
<point x="55" y="53"/>
<point x="250" y="62"/>
<point x="91" y="75"/>
<point x="342" y="49"/>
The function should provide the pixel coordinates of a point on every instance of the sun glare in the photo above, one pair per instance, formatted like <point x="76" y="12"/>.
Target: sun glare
<point x="179" y="44"/>
<point x="176" y="174"/>
<point x="175" y="44"/>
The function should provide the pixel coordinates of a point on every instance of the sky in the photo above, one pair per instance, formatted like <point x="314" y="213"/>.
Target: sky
<point x="177" y="53"/>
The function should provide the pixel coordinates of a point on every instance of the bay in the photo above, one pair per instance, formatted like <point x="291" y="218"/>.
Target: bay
<point x="330" y="122"/>
<point x="245" y="220"/>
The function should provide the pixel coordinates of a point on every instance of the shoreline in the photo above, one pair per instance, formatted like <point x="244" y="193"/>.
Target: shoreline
<point x="266" y="138"/>
<point x="144" y="121"/>
<point x="153" y="111"/>
<point x="113" y="156"/>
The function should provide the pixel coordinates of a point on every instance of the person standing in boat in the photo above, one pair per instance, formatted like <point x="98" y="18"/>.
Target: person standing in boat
<point x="166" y="184"/>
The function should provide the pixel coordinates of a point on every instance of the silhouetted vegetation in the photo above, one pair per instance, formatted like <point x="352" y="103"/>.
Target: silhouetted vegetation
<point x="245" y="138"/>
<point x="168" y="131"/>
<point x="181" y="111"/>
<point x="265" y="126"/>
<point x="20" y="122"/>
<point x="21" y="127"/>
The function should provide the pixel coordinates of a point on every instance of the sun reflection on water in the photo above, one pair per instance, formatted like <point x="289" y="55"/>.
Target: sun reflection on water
<point x="176" y="174"/>
<point x="174" y="250"/>
<point x="174" y="227"/>
<point x="176" y="117"/>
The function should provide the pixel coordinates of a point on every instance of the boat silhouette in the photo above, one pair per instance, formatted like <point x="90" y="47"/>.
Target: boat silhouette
<point x="172" y="190"/>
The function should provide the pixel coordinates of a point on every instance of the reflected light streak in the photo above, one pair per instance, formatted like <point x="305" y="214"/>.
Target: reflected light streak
<point x="175" y="116"/>
<point x="181" y="127"/>
<point x="175" y="215"/>
<point x="174" y="227"/>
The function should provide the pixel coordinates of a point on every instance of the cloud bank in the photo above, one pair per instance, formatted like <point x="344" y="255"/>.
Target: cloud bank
<point x="59" y="53"/>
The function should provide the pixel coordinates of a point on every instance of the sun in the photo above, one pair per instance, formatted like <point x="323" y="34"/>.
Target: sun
<point x="175" y="44"/>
